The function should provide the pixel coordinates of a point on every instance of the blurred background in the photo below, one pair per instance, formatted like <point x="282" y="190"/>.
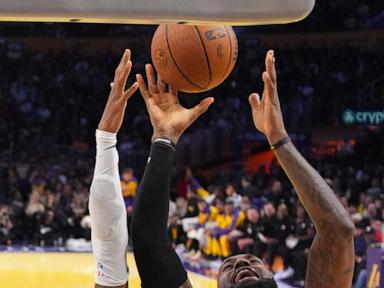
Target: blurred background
<point x="54" y="83"/>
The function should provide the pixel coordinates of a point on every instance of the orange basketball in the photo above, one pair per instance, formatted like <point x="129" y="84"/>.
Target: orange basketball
<point x="194" y="58"/>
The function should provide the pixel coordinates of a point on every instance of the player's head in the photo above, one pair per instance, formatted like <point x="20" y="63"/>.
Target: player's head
<point x="245" y="271"/>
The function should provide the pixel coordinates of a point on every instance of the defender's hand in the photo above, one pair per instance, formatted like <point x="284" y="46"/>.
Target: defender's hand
<point x="117" y="101"/>
<point x="169" y="119"/>
<point x="266" y="112"/>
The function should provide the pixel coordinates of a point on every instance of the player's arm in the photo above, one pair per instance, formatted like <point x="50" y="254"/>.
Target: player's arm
<point x="156" y="260"/>
<point x="331" y="256"/>
<point x="106" y="204"/>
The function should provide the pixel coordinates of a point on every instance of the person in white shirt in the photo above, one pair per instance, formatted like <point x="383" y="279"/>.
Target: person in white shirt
<point x="231" y="195"/>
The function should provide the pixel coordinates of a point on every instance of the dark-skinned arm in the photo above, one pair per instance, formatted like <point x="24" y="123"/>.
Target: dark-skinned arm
<point x="331" y="258"/>
<point x="330" y="262"/>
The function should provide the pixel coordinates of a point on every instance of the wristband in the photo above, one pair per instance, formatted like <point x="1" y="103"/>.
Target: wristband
<point x="280" y="143"/>
<point x="165" y="141"/>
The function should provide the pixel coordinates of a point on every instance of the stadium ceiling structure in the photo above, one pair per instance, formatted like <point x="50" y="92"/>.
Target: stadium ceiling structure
<point x="230" y="12"/>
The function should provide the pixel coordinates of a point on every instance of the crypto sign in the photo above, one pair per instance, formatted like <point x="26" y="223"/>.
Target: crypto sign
<point x="351" y="117"/>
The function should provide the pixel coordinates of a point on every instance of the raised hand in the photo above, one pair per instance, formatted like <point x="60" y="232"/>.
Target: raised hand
<point x="169" y="119"/>
<point x="117" y="101"/>
<point x="331" y="257"/>
<point x="266" y="111"/>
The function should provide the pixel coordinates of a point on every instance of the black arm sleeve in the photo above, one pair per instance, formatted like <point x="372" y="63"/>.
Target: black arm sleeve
<point x="156" y="260"/>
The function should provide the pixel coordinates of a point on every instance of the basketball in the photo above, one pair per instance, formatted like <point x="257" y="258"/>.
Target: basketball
<point x="194" y="58"/>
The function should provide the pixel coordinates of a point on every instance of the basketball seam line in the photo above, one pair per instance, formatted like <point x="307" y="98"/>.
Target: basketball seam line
<point x="230" y="51"/>
<point x="206" y="58"/>
<point x="174" y="60"/>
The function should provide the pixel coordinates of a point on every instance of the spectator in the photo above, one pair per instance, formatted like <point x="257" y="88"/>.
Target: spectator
<point x="304" y="233"/>
<point x="6" y="227"/>
<point x="218" y="243"/>
<point x="247" y="188"/>
<point x="129" y="186"/>
<point x="34" y="205"/>
<point x="270" y="233"/>
<point x="285" y="230"/>
<point x="176" y="233"/>
<point x="232" y="195"/>
<point x="276" y="195"/>
<point x="249" y="241"/>
<point x="188" y="183"/>
<point x="46" y="229"/>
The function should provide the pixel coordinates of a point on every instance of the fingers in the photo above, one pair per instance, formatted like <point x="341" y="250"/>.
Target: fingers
<point x="151" y="79"/>
<point x="254" y="100"/>
<point x="143" y="88"/>
<point x="270" y="65"/>
<point x="124" y="75"/>
<point x="161" y="85"/>
<point x="121" y="79"/>
<point x="130" y="91"/>
<point x="269" y="79"/>
<point x="200" y="108"/>
<point x="270" y="89"/>
<point x="122" y="71"/>
<point x="123" y="62"/>
<point x="124" y="59"/>
<point x="268" y="84"/>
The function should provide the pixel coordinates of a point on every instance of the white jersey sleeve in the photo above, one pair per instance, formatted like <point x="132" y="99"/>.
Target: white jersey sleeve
<point x="108" y="214"/>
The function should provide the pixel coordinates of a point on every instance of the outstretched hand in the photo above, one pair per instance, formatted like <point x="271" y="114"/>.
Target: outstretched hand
<point x="117" y="101"/>
<point x="266" y="111"/>
<point x="168" y="117"/>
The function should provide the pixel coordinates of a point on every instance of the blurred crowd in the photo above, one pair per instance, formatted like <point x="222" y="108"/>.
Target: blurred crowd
<point x="51" y="102"/>
<point x="233" y="212"/>
<point x="261" y="214"/>
<point x="46" y="203"/>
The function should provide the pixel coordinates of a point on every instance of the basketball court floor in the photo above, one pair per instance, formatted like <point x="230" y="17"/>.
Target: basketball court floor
<point x="64" y="270"/>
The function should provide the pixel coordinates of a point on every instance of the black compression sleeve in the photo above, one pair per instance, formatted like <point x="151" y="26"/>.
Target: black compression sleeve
<point x="156" y="260"/>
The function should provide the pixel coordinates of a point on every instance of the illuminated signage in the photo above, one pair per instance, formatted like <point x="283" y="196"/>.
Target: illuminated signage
<point x="374" y="278"/>
<point x="374" y="268"/>
<point x="351" y="117"/>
